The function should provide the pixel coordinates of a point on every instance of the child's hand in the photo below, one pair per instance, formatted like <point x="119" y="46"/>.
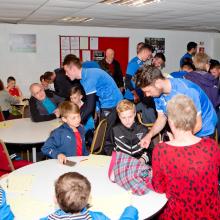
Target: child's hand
<point x="61" y="158"/>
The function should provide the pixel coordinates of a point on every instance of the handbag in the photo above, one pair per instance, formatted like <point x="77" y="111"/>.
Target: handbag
<point x="130" y="173"/>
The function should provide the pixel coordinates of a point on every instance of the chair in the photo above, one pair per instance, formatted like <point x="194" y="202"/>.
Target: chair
<point x="25" y="111"/>
<point x="2" y="118"/>
<point x="99" y="137"/>
<point x="7" y="165"/>
<point x="158" y="137"/>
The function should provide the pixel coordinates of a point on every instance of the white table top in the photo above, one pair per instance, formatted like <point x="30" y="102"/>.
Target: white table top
<point x="24" y="131"/>
<point x="96" y="170"/>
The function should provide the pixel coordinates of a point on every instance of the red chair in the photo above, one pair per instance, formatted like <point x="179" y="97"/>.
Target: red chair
<point x="2" y="118"/>
<point x="6" y="164"/>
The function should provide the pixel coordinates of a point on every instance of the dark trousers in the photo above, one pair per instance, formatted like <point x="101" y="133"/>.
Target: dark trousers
<point x="111" y="116"/>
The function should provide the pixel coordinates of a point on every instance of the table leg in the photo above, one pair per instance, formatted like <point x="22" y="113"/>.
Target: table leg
<point x="34" y="154"/>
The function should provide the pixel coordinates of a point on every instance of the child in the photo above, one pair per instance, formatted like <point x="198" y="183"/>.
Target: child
<point x="127" y="134"/>
<point x="72" y="192"/>
<point x="68" y="139"/>
<point x="76" y="98"/>
<point x="12" y="88"/>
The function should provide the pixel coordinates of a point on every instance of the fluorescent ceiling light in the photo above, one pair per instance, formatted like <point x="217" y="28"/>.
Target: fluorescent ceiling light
<point x="136" y="3"/>
<point x="76" y="19"/>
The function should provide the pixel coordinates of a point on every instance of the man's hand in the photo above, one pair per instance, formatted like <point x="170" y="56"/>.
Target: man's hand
<point x="57" y="112"/>
<point x="136" y="97"/>
<point x="61" y="158"/>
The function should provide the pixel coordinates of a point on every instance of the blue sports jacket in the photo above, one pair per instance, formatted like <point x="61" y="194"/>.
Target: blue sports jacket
<point x="62" y="140"/>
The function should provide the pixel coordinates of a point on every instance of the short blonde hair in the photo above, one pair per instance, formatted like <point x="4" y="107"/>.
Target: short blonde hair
<point x="200" y="60"/>
<point x="72" y="192"/>
<point x="67" y="108"/>
<point x="125" y="105"/>
<point x="182" y="112"/>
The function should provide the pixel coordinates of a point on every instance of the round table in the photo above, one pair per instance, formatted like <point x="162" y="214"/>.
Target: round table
<point x="25" y="131"/>
<point x="106" y="196"/>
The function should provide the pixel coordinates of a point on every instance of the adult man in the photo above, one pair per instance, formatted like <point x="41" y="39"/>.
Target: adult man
<point x="113" y="68"/>
<point x="159" y="60"/>
<point x="143" y="55"/>
<point x="191" y="51"/>
<point x="43" y="108"/>
<point x="97" y="84"/>
<point x="62" y="84"/>
<point x="153" y="83"/>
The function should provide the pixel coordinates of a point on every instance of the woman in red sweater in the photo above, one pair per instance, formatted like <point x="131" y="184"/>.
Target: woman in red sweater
<point x="186" y="167"/>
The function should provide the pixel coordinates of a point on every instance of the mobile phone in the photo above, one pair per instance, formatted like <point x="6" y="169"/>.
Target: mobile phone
<point x="70" y="163"/>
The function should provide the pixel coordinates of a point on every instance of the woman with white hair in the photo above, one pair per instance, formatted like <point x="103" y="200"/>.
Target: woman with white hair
<point x="186" y="167"/>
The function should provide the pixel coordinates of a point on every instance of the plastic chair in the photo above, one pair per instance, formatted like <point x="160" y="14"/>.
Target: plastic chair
<point x="7" y="165"/>
<point x="99" y="137"/>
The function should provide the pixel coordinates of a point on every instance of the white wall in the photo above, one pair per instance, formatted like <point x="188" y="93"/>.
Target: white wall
<point x="27" y="67"/>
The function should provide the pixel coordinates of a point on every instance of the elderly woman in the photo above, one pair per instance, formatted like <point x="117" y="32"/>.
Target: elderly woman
<point x="186" y="167"/>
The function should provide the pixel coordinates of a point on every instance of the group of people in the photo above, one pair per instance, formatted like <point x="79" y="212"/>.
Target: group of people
<point x="184" y="107"/>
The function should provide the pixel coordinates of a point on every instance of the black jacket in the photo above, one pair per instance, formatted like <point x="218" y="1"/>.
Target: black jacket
<point x="117" y="75"/>
<point x="126" y="140"/>
<point x="38" y="111"/>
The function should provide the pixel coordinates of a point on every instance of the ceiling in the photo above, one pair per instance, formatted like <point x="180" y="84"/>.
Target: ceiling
<point x="198" y="15"/>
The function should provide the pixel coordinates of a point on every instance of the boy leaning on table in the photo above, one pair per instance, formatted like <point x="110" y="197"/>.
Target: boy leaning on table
<point x="68" y="139"/>
<point x="72" y="191"/>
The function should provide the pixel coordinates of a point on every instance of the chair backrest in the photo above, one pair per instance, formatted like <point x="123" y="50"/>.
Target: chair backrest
<point x="5" y="161"/>
<point x="2" y="118"/>
<point x="139" y="116"/>
<point x="99" y="137"/>
<point x="26" y="112"/>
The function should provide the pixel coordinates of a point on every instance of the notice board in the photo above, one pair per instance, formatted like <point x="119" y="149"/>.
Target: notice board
<point x="93" y="48"/>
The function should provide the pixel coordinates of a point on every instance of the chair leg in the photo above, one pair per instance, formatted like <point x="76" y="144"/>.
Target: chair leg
<point x="28" y="155"/>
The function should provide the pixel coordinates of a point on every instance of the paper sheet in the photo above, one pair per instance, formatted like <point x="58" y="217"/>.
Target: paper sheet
<point x="56" y="124"/>
<point x="19" y="183"/>
<point x="65" y="43"/>
<point x="94" y="43"/>
<point x="75" y="52"/>
<point x="64" y="53"/>
<point x="95" y="160"/>
<point x="26" y="207"/>
<point x="111" y="205"/>
<point x="74" y="41"/>
<point x="86" y="55"/>
<point x="6" y="124"/>
<point x="84" y="44"/>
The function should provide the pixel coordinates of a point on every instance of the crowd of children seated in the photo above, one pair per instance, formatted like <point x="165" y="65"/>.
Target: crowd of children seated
<point x="183" y="106"/>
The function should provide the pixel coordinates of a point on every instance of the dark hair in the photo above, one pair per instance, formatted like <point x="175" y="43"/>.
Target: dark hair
<point x="161" y="56"/>
<point x="213" y="66"/>
<point x="1" y="85"/>
<point x="72" y="192"/>
<point x="189" y="65"/>
<point x="47" y="75"/>
<point x="146" y="47"/>
<point x="75" y="89"/>
<point x="147" y="75"/>
<point x="191" y="45"/>
<point x="214" y="62"/>
<point x="10" y="78"/>
<point x="72" y="59"/>
<point x="42" y="78"/>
